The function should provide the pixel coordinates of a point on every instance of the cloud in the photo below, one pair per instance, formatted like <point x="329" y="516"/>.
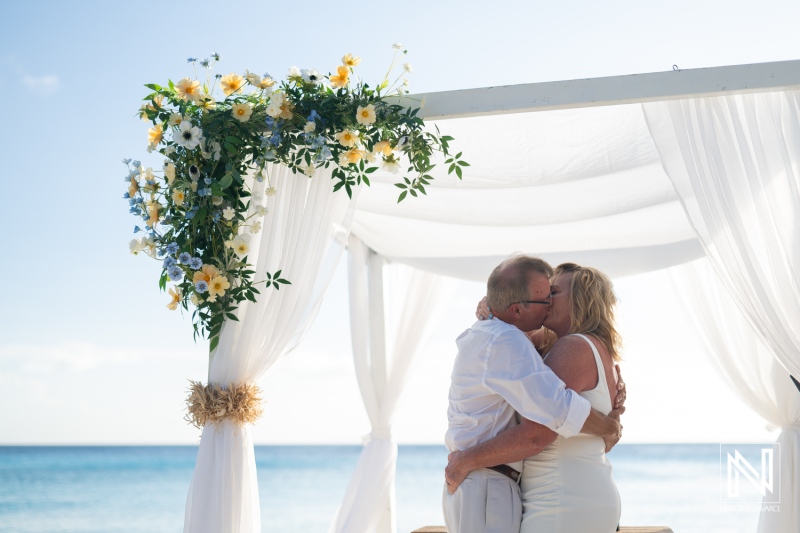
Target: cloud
<point x="46" y="85"/>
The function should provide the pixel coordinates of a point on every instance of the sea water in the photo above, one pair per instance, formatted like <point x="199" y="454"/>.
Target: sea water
<point x="143" y="488"/>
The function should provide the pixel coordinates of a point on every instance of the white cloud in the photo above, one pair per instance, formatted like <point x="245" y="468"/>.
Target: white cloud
<point x="46" y="85"/>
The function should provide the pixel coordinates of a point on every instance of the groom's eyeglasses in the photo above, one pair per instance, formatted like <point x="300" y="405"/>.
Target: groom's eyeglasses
<point x="540" y="302"/>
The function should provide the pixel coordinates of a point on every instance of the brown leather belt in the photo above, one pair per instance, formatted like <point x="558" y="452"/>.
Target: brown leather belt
<point x="506" y="471"/>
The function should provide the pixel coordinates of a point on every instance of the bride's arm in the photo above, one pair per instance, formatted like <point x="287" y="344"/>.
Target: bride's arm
<point x="510" y="446"/>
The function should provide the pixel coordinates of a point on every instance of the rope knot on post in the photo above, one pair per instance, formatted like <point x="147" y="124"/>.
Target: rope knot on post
<point x="213" y="403"/>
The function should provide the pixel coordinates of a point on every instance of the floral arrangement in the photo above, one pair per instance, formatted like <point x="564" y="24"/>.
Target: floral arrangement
<point x="196" y="210"/>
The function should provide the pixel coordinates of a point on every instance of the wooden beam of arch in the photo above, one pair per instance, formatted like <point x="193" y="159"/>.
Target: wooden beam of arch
<point x="613" y="90"/>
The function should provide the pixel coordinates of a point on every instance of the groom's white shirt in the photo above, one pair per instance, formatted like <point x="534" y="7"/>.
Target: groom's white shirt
<point x="498" y="371"/>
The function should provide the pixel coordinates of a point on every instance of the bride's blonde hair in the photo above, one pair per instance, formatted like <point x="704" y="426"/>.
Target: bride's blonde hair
<point x="591" y="307"/>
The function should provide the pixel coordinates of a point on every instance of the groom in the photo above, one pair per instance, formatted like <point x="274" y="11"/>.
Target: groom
<point x="496" y="374"/>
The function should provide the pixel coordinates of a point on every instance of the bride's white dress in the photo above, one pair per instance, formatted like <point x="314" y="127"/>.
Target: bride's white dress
<point x="568" y="488"/>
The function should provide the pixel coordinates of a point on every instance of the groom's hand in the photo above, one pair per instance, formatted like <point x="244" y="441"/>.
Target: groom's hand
<point x="611" y="440"/>
<point x="455" y="472"/>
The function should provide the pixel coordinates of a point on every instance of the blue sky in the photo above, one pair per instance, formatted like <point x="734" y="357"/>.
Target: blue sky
<point x="84" y="330"/>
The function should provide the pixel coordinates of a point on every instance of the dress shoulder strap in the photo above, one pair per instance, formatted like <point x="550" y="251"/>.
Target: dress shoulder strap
<point x="601" y="371"/>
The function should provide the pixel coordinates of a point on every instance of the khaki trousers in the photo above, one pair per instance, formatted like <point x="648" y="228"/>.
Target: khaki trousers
<point x="486" y="502"/>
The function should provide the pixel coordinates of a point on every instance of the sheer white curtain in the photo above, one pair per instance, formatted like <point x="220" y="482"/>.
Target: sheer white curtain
<point x="420" y="299"/>
<point x="734" y="162"/>
<point x="306" y="230"/>
<point x="748" y="367"/>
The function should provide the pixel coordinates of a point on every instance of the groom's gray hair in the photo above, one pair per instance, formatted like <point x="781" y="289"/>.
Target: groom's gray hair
<point x="508" y="282"/>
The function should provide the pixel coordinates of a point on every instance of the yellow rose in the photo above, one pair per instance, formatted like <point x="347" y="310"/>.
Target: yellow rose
<point x="241" y="112"/>
<point x="155" y="135"/>
<point x="354" y="155"/>
<point x="218" y="286"/>
<point x="341" y="78"/>
<point x="350" y="60"/>
<point x="232" y="83"/>
<point x="175" y="292"/>
<point x="384" y="147"/>
<point x="365" y="115"/>
<point x="347" y="138"/>
<point x="188" y="89"/>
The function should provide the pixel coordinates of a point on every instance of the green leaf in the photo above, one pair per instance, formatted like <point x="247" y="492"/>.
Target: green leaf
<point x="402" y="196"/>
<point x="232" y="317"/>
<point x="226" y="181"/>
<point x="458" y="172"/>
<point x="400" y="185"/>
<point x="370" y="170"/>
<point x="214" y="340"/>
<point x="463" y="163"/>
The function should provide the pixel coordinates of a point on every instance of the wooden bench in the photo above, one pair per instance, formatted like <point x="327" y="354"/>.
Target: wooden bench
<point x="656" y="529"/>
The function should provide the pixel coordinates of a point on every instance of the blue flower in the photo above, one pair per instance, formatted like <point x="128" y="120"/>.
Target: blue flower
<point x="172" y="248"/>
<point x="207" y="181"/>
<point x="313" y="116"/>
<point x="137" y="229"/>
<point x="318" y="142"/>
<point x="195" y="263"/>
<point x="270" y="122"/>
<point x="216" y="216"/>
<point x="185" y="257"/>
<point x="191" y="59"/>
<point x="137" y="164"/>
<point x="206" y="63"/>
<point x="201" y="286"/>
<point x="175" y="273"/>
<point x="126" y="196"/>
<point x="126" y="160"/>
<point x="275" y="140"/>
<point x="215" y="56"/>
<point x="135" y="211"/>
<point x="169" y="261"/>
<point x="190" y="214"/>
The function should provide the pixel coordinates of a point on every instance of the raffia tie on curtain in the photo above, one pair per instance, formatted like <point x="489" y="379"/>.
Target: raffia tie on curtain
<point x="212" y="403"/>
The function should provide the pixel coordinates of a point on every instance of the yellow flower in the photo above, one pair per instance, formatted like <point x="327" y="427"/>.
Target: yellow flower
<point x="266" y="83"/>
<point x="341" y="78"/>
<point x="365" y="115"/>
<point x="175" y="119"/>
<point x="178" y="196"/>
<point x="133" y="187"/>
<point x="232" y="83"/>
<point x="350" y="60"/>
<point x="175" y="292"/>
<point x="155" y="135"/>
<point x="347" y="138"/>
<point x="169" y="171"/>
<point x="354" y="156"/>
<point x="242" y="112"/>
<point x="206" y="273"/>
<point x="206" y="102"/>
<point x="218" y="286"/>
<point x="383" y="146"/>
<point x="188" y="89"/>
<point x="152" y="210"/>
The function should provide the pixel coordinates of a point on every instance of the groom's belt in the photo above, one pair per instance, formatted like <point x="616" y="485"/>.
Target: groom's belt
<point x="506" y="471"/>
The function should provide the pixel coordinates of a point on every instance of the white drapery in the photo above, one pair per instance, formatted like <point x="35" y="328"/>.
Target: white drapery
<point x="305" y="232"/>
<point x="735" y="163"/>
<point x="419" y="299"/>
<point x="751" y="371"/>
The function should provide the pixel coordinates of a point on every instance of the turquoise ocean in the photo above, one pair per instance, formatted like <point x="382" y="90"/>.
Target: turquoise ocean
<point x="129" y="489"/>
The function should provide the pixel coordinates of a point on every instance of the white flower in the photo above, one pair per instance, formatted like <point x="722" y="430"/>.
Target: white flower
<point x="407" y="67"/>
<point x="195" y="300"/>
<point x="242" y="111"/>
<point x="135" y="246"/>
<point x="187" y="135"/>
<point x="274" y="109"/>
<point x="271" y="191"/>
<point x="169" y="150"/>
<point x="311" y="75"/>
<point x="308" y="170"/>
<point x="175" y="119"/>
<point x="216" y="200"/>
<point x="210" y="150"/>
<point x="365" y="115"/>
<point x="310" y="126"/>
<point x="397" y="46"/>
<point x="228" y="213"/>
<point x="149" y="246"/>
<point x="391" y="165"/>
<point x="294" y="72"/>
<point x="405" y="82"/>
<point x="261" y="210"/>
<point x="255" y="227"/>
<point x="169" y="171"/>
<point x="241" y="245"/>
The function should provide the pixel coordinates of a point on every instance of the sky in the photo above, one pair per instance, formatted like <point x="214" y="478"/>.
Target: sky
<point x="88" y="352"/>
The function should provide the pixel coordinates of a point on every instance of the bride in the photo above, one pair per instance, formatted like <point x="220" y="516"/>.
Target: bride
<point x="568" y="487"/>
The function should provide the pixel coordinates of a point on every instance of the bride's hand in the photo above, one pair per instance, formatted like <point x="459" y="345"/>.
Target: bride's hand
<point x="455" y="472"/>
<point x="482" y="312"/>
<point x="622" y="393"/>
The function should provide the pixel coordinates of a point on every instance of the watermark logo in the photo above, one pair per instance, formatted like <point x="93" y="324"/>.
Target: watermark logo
<point x="750" y="473"/>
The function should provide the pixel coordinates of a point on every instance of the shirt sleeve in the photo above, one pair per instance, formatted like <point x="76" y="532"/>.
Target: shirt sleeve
<point x="514" y="370"/>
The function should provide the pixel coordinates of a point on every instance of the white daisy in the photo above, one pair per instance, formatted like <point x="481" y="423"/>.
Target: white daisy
<point x="187" y="135"/>
<point x="228" y="213"/>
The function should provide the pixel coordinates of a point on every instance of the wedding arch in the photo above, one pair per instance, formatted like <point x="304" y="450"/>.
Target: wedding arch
<point x="628" y="174"/>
